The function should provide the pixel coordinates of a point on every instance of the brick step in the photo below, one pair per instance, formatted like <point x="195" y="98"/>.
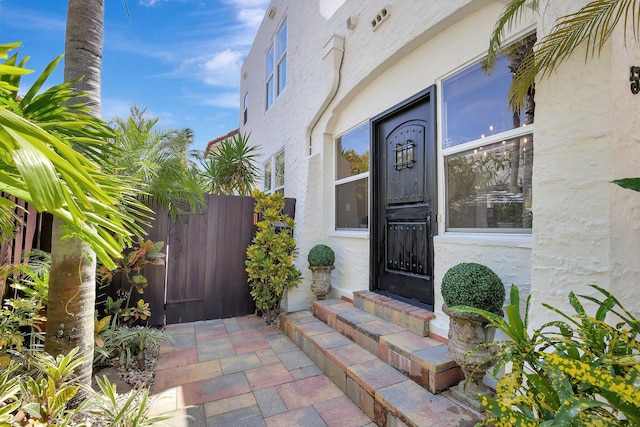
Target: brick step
<point x="425" y="360"/>
<point x="407" y="316"/>
<point x="386" y="395"/>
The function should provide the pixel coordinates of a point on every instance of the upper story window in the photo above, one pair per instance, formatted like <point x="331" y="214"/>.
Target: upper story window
<point x="352" y="179"/>
<point x="245" y="108"/>
<point x="488" y="149"/>
<point x="276" y="69"/>
<point x="274" y="174"/>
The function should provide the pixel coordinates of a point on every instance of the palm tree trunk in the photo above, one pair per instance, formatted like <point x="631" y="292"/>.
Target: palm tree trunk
<point x="72" y="298"/>
<point x="72" y="285"/>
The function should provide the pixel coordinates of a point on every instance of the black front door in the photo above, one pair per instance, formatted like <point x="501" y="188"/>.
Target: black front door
<point x="404" y="199"/>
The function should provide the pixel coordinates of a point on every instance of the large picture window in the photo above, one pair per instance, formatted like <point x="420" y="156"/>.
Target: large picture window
<point x="488" y="149"/>
<point x="276" y="66"/>
<point x="352" y="179"/>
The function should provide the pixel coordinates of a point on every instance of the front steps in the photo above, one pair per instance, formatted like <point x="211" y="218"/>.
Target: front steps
<point x="391" y="372"/>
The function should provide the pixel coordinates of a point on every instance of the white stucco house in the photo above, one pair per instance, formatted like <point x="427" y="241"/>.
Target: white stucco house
<point x="404" y="157"/>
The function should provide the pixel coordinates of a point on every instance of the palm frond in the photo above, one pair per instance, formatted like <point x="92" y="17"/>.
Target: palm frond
<point x="511" y="13"/>
<point x="232" y="169"/>
<point x="592" y="25"/>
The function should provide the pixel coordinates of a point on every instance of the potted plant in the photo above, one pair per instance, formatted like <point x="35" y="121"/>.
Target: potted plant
<point x="471" y="285"/>
<point x="321" y="258"/>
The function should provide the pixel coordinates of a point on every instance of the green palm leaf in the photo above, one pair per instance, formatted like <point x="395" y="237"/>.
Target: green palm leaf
<point x="591" y="26"/>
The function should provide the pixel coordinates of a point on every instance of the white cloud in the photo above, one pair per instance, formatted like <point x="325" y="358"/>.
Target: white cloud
<point x="227" y="100"/>
<point x="251" y="17"/>
<point x="31" y="19"/>
<point x="223" y="69"/>
<point x="115" y="107"/>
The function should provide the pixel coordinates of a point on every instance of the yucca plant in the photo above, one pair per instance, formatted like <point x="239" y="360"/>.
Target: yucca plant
<point x="577" y="371"/>
<point x="232" y="168"/>
<point x="132" y="412"/>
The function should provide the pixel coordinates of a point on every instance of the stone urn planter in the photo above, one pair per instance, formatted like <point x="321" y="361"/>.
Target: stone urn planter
<point x="467" y="331"/>
<point x="471" y="285"/>
<point x="321" y="276"/>
<point x="321" y="258"/>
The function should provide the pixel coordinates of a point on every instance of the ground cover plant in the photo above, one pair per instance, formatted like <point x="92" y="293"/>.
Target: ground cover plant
<point x="582" y="370"/>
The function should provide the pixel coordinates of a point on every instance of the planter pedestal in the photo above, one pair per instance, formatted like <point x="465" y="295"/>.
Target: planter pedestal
<point x="466" y="331"/>
<point x="321" y="285"/>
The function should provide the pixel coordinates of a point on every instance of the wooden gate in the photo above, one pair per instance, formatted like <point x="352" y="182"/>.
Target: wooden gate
<point x="205" y="275"/>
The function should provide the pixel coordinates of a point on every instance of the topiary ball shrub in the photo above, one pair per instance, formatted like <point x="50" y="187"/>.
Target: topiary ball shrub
<point x="321" y="256"/>
<point x="474" y="285"/>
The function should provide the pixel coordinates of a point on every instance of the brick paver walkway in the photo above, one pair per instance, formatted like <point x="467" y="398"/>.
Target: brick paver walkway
<point x="240" y="372"/>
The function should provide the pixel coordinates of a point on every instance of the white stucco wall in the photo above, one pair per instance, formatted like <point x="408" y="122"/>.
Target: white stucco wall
<point x="586" y="134"/>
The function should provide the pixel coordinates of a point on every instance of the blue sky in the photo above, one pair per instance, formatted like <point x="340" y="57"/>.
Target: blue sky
<point x="179" y="59"/>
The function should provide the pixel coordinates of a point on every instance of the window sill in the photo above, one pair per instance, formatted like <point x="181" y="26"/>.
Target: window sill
<point x="355" y="234"/>
<point x="482" y="239"/>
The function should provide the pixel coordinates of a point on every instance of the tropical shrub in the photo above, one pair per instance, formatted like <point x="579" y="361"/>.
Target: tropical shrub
<point x="270" y="256"/>
<point x="583" y="370"/>
<point x="321" y="256"/>
<point x="131" y="265"/>
<point x="159" y="163"/>
<point x="125" y="343"/>
<point x="38" y="392"/>
<point x="473" y="285"/>
<point x="231" y="169"/>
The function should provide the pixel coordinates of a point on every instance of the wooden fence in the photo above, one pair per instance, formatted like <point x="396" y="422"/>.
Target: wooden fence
<point x="32" y="231"/>
<point x="204" y="277"/>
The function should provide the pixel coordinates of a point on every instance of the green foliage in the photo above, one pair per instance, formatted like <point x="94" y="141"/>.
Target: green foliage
<point x="51" y="387"/>
<point x="592" y="25"/>
<point x="579" y="371"/>
<point x="19" y="324"/>
<point x="132" y="412"/>
<point x="33" y="276"/>
<point x="231" y="169"/>
<point x="139" y="311"/>
<point x="43" y="387"/>
<point x="158" y="162"/>
<point x="321" y="256"/>
<point x="271" y="254"/>
<point x="474" y="285"/>
<point x="131" y="265"/>
<point x="126" y="343"/>
<point x="53" y="156"/>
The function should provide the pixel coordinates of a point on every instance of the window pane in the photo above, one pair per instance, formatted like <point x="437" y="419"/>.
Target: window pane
<point x="279" y="178"/>
<point x="245" y="108"/>
<point x="270" y="60"/>
<point x="282" y="75"/>
<point x="281" y="42"/>
<point x="352" y="205"/>
<point x="267" y="176"/>
<point x="476" y="105"/>
<point x="352" y="152"/>
<point x="490" y="187"/>
<point x="269" y="93"/>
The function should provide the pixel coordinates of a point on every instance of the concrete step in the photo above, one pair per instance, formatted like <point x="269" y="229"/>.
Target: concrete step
<point x="407" y="316"/>
<point x="386" y="395"/>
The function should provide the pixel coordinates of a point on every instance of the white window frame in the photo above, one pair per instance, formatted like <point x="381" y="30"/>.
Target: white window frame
<point x="273" y="188"/>
<point x="484" y="140"/>
<point x="274" y="75"/>
<point x="346" y="180"/>
<point x="245" y="108"/>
